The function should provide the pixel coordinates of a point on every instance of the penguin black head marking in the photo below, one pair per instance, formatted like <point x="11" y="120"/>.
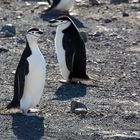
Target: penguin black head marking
<point x="34" y="33"/>
<point x="62" y="21"/>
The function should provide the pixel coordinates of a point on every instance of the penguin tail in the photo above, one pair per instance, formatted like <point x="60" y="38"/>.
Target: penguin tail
<point x="3" y="111"/>
<point x="12" y="105"/>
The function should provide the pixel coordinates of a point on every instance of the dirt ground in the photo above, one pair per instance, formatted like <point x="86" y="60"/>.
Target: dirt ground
<point x="113" y="58"/>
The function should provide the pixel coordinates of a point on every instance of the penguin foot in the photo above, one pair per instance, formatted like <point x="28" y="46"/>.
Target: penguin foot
<point x="28" y="113"/>
<point x="70" y="81"/>
<point x="33" y="110"/>
<point x="89" y="81"/>
<point x="63" y="81"/>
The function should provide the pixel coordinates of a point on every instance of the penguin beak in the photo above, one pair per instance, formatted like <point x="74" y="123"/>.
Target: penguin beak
<point x="54" y="22"/>
<point x="40" y="32"/>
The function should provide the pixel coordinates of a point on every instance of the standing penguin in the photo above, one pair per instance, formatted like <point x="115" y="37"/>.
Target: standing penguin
<point x="30" y="75"/>
<point x="61" y="5"/>
<point x="70" y="50"/>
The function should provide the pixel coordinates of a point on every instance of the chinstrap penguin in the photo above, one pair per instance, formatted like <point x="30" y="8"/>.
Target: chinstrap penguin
<point x="61" y="5"/>
<point x="30" y="75"/>
<point x="70" y="50"/>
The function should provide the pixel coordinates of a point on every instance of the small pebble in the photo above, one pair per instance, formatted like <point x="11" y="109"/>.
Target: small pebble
<point x="125" y="14"/>
<point x="97" y="34"/>
<point x="108" y="20"/>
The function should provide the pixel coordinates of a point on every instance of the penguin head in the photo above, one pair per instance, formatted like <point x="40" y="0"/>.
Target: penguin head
<point x="33" y="34"/>
<point x="62" y="22"/>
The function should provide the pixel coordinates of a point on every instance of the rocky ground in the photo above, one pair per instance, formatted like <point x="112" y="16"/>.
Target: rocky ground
<point x="113" y="58"/>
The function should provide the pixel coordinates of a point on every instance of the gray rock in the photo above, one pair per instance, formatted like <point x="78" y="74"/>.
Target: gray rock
<point x="78" y="107"/>
<point x="8" y="30"/>
<point x="125" y="14"/>
<point x="5" y="18"/>
<point x="135" y="7"/>
<point x="7" y="2"/>
<point x="94" y="2"/>
<point x="97" y="34"/>
<point x="20" y="40"/>
<point x="124" y="138"/>
<point x="3" y="50"/>
<point x="108" y="20"/>
<point x="130" y="116"/>
<point x="118" y="1"/>
<point x="135" y="1"/>
<point x="113" y="34"/>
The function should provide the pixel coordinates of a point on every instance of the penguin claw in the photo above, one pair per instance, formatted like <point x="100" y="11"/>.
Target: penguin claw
<point x="33" y="110"/>
<point x="30" y="112"/>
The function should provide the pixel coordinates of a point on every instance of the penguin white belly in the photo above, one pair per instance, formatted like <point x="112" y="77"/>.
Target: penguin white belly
<point x="34" y="82"/>
<point x="65" y="5"/>
<point x="61" y="55"/>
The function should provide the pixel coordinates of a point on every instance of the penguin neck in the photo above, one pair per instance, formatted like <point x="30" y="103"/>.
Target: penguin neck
<point x="62" y="27"/>
<point x="33" y="45"/>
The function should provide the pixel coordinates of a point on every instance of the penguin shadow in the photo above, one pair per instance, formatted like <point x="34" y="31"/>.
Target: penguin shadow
<point x="49" y="15"/>
<point x="69" y="91"/>
<point x="27" y="128"/>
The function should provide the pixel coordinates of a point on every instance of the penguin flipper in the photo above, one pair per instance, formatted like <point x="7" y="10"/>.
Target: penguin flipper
<point x="70" y="51"/>
<point x="21" y="72"/>
<point x="21" y="78"/>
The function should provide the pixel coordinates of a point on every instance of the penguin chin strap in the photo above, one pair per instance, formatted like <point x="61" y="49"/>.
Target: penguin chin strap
<point x="34" y="35"/>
